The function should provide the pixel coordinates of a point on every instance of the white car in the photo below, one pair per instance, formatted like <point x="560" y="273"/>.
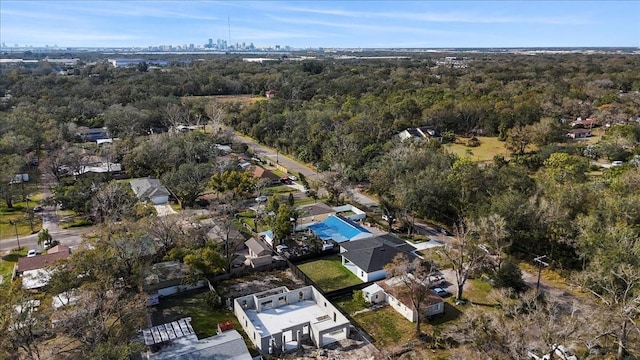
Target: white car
<point x="292" y="178"/>
<point x="32" y="253"/>
<point x="262" y="198"/>
<point x="617" y="163"/>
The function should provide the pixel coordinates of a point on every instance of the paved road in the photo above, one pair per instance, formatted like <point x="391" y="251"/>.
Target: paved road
<point x="50" y="221"/>
<point x="266" y="153"/>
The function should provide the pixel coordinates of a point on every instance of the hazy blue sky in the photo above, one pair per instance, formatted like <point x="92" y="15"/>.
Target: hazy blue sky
<point x="322" y="23"/>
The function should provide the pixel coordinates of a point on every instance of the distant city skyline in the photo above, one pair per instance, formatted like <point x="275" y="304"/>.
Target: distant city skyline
<point x="330" y="24"/>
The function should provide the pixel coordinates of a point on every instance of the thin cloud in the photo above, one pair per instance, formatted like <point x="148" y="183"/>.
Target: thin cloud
<point x="451" y="17"/>
<point x="175" y="10"/>
<point x="368" y="28"/>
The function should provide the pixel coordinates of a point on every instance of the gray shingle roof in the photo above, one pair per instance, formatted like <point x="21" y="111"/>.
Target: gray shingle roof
<point x="148" y="188"/>
<point x="373" y="254"/>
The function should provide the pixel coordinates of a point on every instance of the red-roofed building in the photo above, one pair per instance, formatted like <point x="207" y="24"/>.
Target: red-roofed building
<point x="41" y="261"/>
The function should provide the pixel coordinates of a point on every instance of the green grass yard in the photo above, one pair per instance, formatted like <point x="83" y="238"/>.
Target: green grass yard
<point x="8" y="261"/>
<point x="329" y="274"/>
<point x="489" y="147"/>
<point x="204" y="317"/>
<point x="386" y="326"/>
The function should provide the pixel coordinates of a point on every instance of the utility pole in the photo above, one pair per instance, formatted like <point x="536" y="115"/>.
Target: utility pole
<point x="538" y="260"/>
<point x="15" y="226"/>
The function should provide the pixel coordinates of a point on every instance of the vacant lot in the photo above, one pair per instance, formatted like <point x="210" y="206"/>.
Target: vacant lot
<point x="386" y="326"/>
<point x="329" y="274"/>
<point x="242" y="99"/>
<point x="489" y="147"/>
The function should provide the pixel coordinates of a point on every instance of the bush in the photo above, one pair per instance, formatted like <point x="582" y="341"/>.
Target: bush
<point x="358" y="299"/>
<point x="509" y="276"/>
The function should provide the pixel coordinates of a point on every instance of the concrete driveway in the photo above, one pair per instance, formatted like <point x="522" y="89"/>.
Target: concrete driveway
<point x="164" y="210"/>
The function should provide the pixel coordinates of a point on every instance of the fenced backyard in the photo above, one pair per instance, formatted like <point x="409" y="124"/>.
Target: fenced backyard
<point x="328" y="273"/>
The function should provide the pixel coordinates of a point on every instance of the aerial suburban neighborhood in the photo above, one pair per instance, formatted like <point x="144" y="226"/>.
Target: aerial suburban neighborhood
<point x="321" y="205"/>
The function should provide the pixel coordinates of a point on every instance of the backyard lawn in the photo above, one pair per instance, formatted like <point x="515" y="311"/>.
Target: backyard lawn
<point x="387" y="327"/>
<point x="329" y="274"/>
<point x="204" y="317"/>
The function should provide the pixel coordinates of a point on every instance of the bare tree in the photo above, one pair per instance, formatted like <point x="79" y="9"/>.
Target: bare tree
<point x="62" y="162"/>
<point x="492" y="234"/>
<point x="113" y="202"/>
<point x="464" y="255"/>
<point x="224" y="232"/>
<point x="216" y="115"/>
<point x="414" y="276"/>
<point x="166" y="230"/>
<point x="618" y="289"/>
<point x="176" y="115"/>
<point x="523" y="323"/>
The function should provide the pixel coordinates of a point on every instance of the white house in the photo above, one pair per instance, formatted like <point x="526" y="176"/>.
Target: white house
<point x="277" y="320"/>
<point x="392" y="291"/>
<point x="367" y="258"/>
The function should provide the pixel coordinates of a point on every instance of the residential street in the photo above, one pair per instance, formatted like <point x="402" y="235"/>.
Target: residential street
<point x="50" y="221"/>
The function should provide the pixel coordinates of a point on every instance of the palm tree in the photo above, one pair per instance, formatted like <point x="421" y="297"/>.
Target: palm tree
<point x="44" y="237"/>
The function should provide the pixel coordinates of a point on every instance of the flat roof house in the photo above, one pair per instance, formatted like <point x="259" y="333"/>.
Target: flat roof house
<point x="278" y="320"/>
<point x="177" y="340"/>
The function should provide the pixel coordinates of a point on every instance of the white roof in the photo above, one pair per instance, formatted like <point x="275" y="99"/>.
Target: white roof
<point x="65" y="299"/>
<point x="272" y="321"/>
<point x="372" y="289"/>
<point x="35" y="279"/>
<point x="229" y="346"/>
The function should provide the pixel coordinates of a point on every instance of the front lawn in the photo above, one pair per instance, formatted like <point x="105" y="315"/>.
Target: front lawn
<point x="19" y="215"/>
<point x="329" y="274"/>
<point x="7" y="262"/>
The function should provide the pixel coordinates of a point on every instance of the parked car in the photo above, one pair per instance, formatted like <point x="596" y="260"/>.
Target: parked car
<point x="617" y="163"/>
<point x="440" y="291"/>
<point x="38" y="209"/>
<point x="261" y="199"/>
<point x="32" y="253"/>
<point x="386" y="218"/>
<point x="292" y="178"/>
<point x="437" y="281"/>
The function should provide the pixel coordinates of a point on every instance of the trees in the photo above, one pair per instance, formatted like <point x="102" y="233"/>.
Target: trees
<point x="414" y="276"/>
<point x="282" y="223"/>
<point x="113" y="202"/>
<point x="44" y="237"/>
<point x="188" y="181"/>
<point x="463" y="254"/>
<point x="613" y="277"/>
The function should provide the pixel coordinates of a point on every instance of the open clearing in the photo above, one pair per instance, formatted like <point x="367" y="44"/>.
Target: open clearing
<point x="489" y="147"/>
